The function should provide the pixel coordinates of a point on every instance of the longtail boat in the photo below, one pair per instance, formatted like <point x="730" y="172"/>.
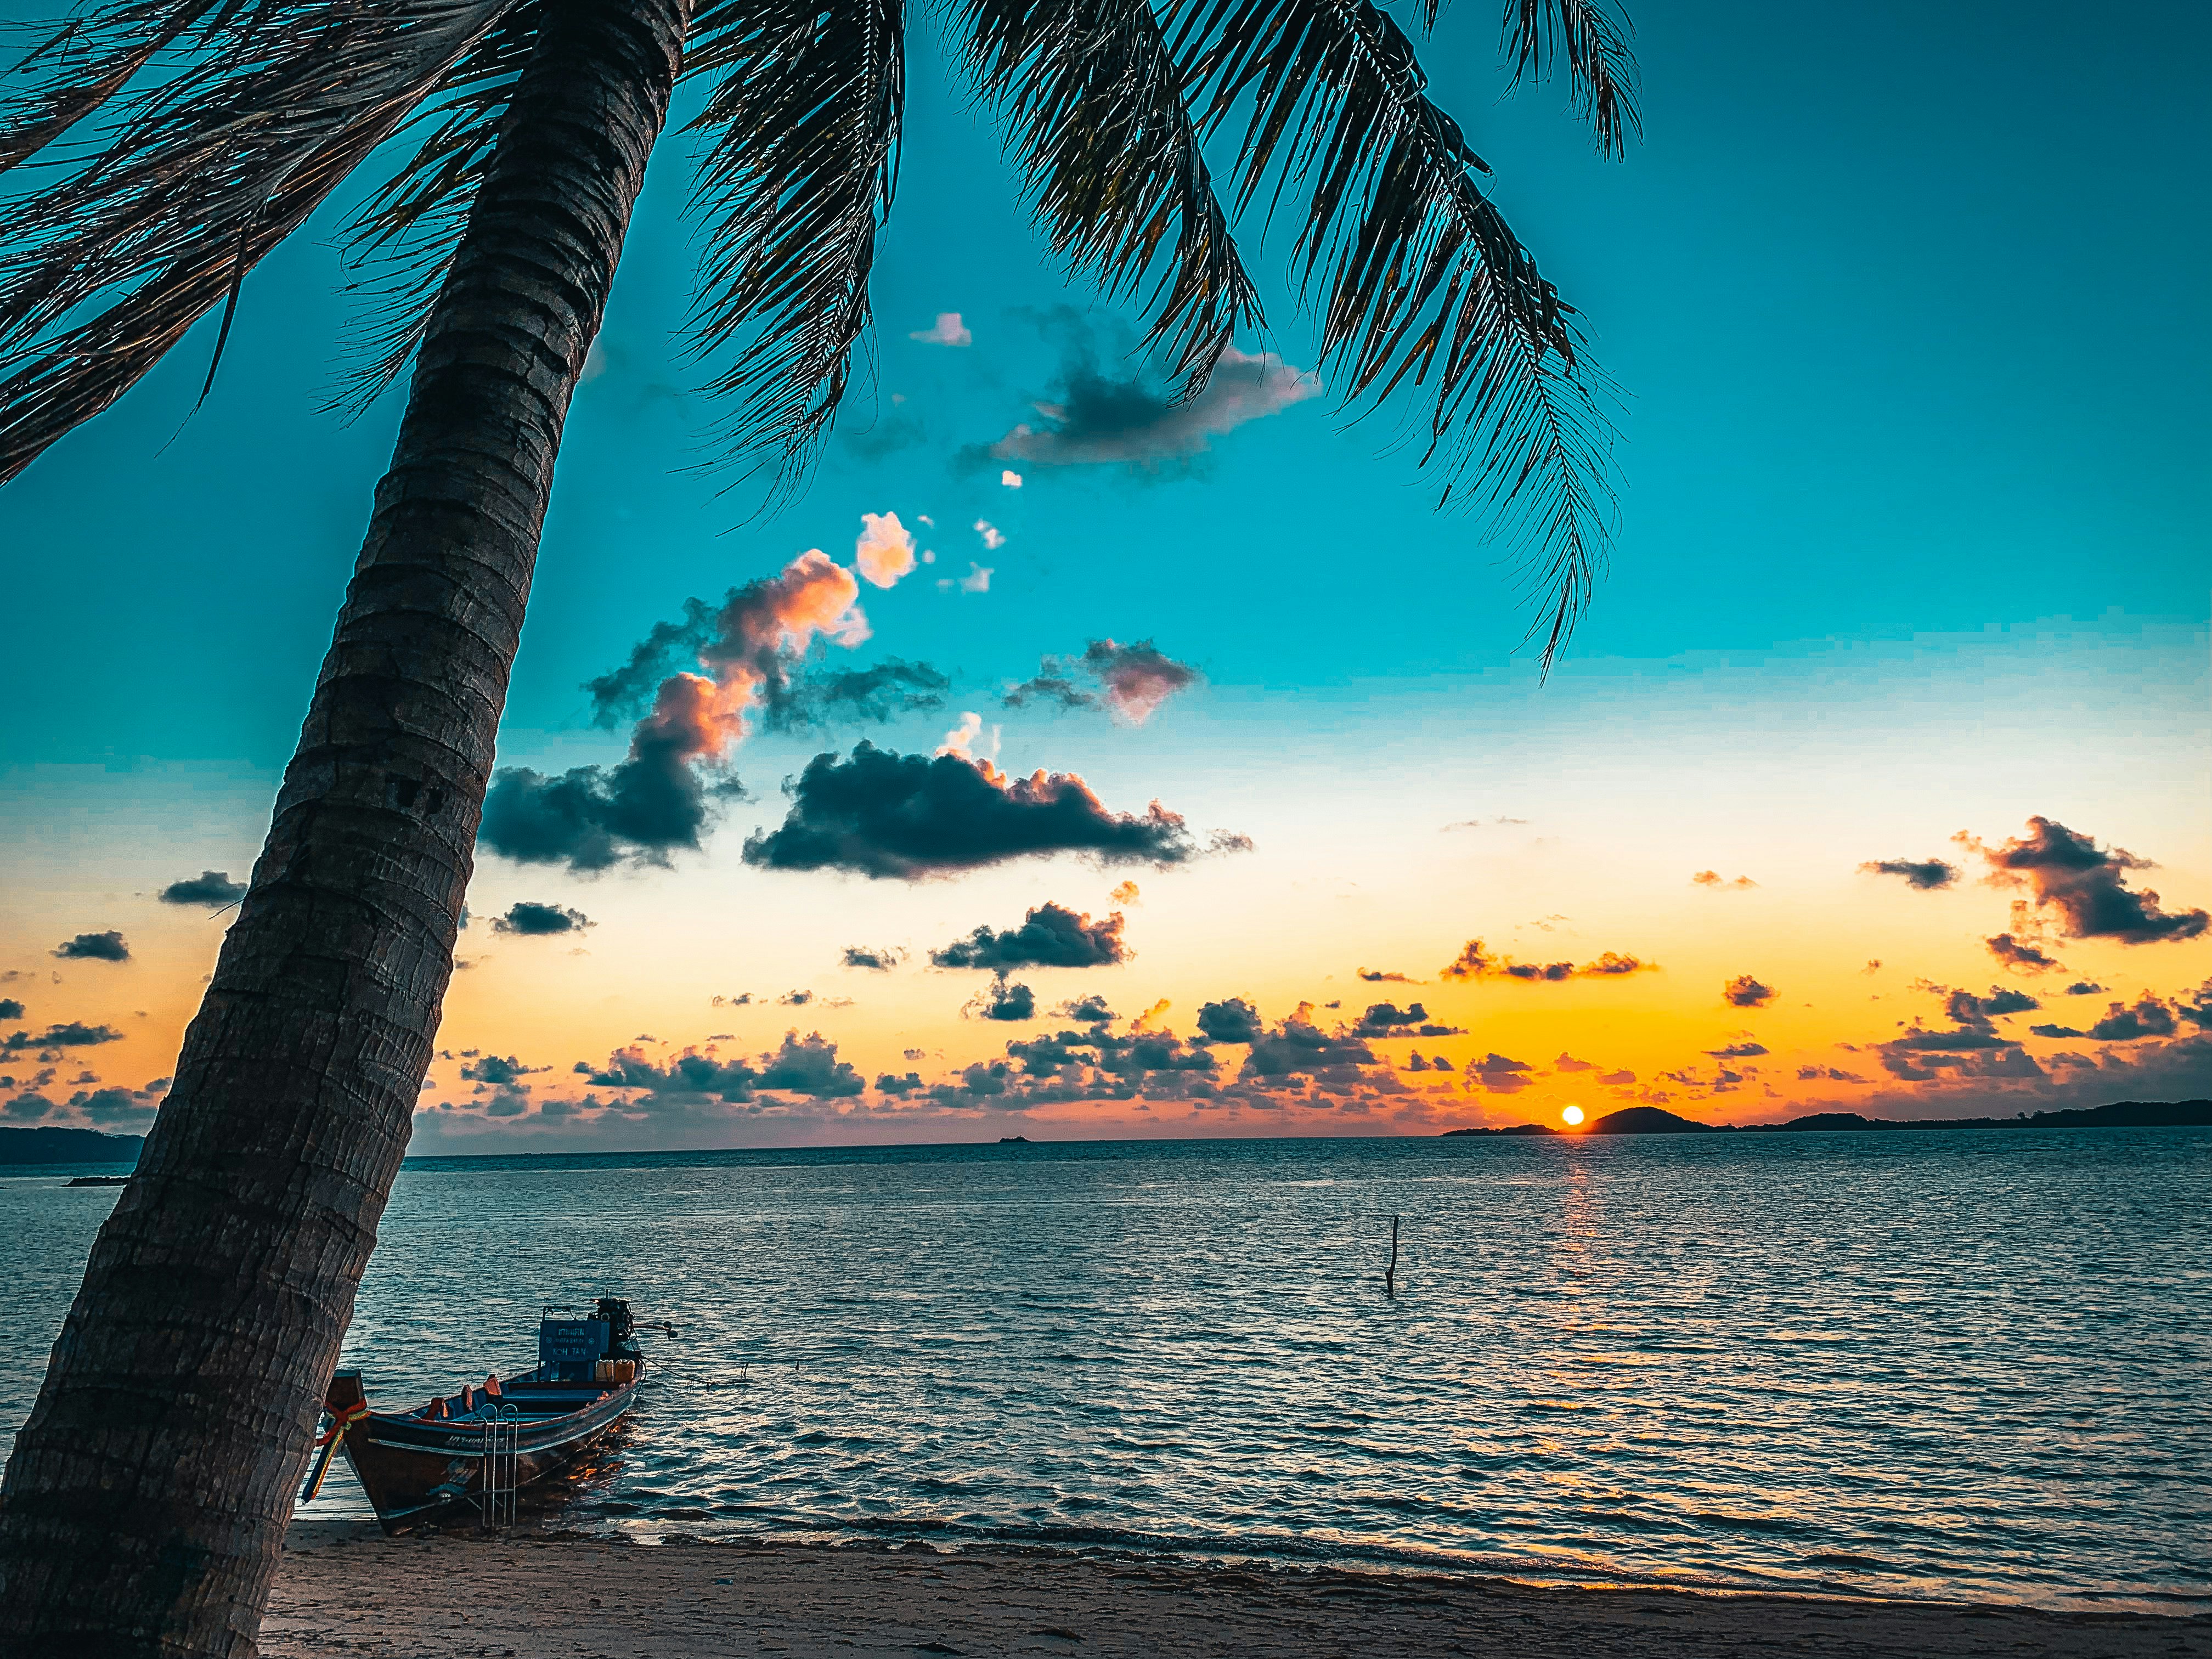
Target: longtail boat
<point x="476" y="1447"/>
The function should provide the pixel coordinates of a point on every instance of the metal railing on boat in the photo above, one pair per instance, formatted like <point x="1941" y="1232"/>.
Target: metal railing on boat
<point x="500" y="1472"/>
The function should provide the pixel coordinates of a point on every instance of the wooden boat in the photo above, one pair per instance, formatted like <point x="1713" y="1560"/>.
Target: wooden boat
<point x="476" y="1449"/>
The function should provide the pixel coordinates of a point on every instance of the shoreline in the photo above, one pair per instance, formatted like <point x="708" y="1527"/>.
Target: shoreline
<point x="549" y="1595"/>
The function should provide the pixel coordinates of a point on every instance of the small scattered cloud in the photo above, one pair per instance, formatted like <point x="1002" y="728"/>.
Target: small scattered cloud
<point x="1738" y="1051"/>
<point x="2082" y="987"/>
<point x="947" y="330"/>
<point x="1131" y="680"/>
<point x="1010" y="479"/>
<point x="2148" y="1017"/>
<point x="1927" y="875"/>
<point x="1231" y="1020"/>
<point x="994" y="537"/>
<point x="1005" y="1002"/>
<point x="977" y="580"/>
<point x="2020" y="956"/>
<point x="1050" y="936"/>
<point x="209" y="887"/>
<point x="1127" y="893"/>
<point x="1745" y="992"/>
<point x="871" y="959"/>
<point x="95" y="947"/>
<point x="534" y="921"/>
<point x="885" y="551"/>
<point x="1383" y="1019"/>
<point x="10" y="1009"/>
<point x="1713" y="878"/>
<point x="1474" y="962"/>
<point x="71" y="1033"/>
<point x="1499" y="1074"/>
<point x="1376" y="976"/>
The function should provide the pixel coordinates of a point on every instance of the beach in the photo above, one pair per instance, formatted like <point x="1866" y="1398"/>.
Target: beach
<point x="347" y="1587"/>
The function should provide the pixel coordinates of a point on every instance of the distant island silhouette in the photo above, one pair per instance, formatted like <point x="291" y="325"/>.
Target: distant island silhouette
<point x="1652" y="1120"/>
<point x="48" y="1144"/>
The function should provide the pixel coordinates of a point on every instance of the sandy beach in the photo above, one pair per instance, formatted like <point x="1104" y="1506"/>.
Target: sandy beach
<point x="345" y="1589"/>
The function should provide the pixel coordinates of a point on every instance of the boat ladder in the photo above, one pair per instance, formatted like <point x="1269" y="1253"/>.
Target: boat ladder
<point x="500" y="1470"/>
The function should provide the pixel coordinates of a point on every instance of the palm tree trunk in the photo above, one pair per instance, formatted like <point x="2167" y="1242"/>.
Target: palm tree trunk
<point x="145" y="1503"/>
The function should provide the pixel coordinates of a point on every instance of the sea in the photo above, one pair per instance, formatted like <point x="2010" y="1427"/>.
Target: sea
<point x="1928" y="1363"/>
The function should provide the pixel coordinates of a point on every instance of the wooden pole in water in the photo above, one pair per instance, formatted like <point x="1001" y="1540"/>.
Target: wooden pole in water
<point x="1390" y="1272"/>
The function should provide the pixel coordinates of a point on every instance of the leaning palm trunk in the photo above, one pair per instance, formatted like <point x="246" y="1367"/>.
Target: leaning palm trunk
<point x="146" y="1494"/>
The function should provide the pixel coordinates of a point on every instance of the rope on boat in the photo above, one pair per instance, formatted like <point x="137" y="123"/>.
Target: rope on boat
<point x="326" y="1444"/>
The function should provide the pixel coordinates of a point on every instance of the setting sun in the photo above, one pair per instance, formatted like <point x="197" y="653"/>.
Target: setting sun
<point x="1573" y="1114"/>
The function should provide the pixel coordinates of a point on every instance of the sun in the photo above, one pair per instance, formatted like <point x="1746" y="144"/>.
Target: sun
<point x="1573" y="1115"/>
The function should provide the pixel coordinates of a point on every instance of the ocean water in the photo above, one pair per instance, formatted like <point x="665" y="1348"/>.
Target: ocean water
<point x="1952" y="1363"/>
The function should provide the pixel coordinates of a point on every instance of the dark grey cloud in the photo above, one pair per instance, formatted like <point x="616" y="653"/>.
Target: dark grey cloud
<point x="1298" y="1047"/>
<point x="95" y="947"/>
<point x="535" y="920"/>
<point x="10" y="1009"/>
<point x="1132" y="680"/>
<point x="874" y="960"/>
<point x="1091" y="418"/>
<point x="1745" y="992"/>
<point x="2087" y="885"/>
<point x="906" y="816"/>
<point x="1738" y="1051"/>
<point x="1050" y="936"/>
<point x="1377" y="977"/>
<point x="2054" y="1031"/>
<point x="1234" y="1020"/>
<point x="889" y="690"/>
<point x="644" y="809"/>
<point x="809" y="1066"/>
<point x="499" y="1069"/>
<point x="1567" y="1062"/>
<point x="2082" y="987"/>
<point x="209" y="887"/>
<point x="1925" y="874"/>
<point x="1966" y="1009"/>
<point x="2149" y="1017"/>
<point x="801" y="1065"/>
<point x="1383" y="1019"/>
<point x="2019" y="955"/>
<point x="1475" y="962"/>
<point x="1500" y="1074"/>
<point x="889" y="1084"/>
<point x="1007" y="1002"/>
<point x="1095" y="1055"/>
<point x="1087" y="1010"/>
<point x="72" y="1034"/>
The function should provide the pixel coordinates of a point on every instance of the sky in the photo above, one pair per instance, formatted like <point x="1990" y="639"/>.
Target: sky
<point x="1910" y="569"/>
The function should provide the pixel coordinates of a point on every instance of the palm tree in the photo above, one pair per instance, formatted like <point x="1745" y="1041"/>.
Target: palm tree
<point x="145" y="1500"/>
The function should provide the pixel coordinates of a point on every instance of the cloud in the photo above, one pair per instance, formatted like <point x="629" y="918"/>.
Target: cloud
<point x="73" y="1034"/>
<point x="947" y="330"/>
<point x="1620" y="1080"/>
<point x="501" y="1070"/>
<point x="1745" y="992"/>
<point x="1126" y="892"/>
<point x="802" y="1066"/>
<point x="874" y="961"/>
<point x="1567" y="1062"/>
<point x="1092" y="420"/>
<point x="1498" y="1074"/>
<point x="209" y="887"/>
<point x="1713" y="878"/>
<point x="2087" y="885"/>
<point x="1377" y="977"/>
<point x="1924" y="874"/>
<point x="10" y="1009"/>
<point x="533" y="921"/>
<point x="1010" y="479"/>
<point x="1050" y="936"/>
<point x="1234" y="1020"/>
<point x="978" y="579"/>
<point x="2149" y="1017"/>
<point x="95" y="947"/>
<point x="1474" y="962"/>
<point x="884" y="814"/>
<point x="1967" y="1009"/>
<point x="846" y="696"/>
<point x="1738" y="1051"/>
<point x="2019" y="955"/>
<point x="2082" y="987"/>
<point x="1384" y="1019"/>
<point x="2054" y="1031"/>
<point x="809" y="1066"/>
<point x="656" y="801"/>
<point x="1132" y="680"/>
<point x="1298" y="1047"/>
<point x="1006" y="1002"/>
<point x="884" y="549"/>
<point x="1086" y="1011"/>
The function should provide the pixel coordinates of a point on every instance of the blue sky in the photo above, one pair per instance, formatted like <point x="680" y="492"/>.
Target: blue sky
<point x="1906" y="306"/>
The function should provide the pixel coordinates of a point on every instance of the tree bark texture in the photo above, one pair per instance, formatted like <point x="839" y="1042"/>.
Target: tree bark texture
<point x="145" y="1502"/>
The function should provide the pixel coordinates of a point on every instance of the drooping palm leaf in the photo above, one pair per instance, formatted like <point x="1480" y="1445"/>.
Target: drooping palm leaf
<point x="1424" y="281"/>
<point x="1600" y="71"/>
<point x="202" y="174"/>
<point x="1106" y="141"/>
<point x="410" y="228"/>
<point x="82" y="64"/>
<point x="803" y="166"/>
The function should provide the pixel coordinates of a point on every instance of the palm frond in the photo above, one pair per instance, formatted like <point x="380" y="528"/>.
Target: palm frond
<point x="409" y="230"/>
<point x="801" y="171"/>
<point x="202" y="175"/>
<point x="1600" y="70"/>
<point x="81" y="65"/>
<point x="1424" y="281"/>
<point x="1106" y="142"/>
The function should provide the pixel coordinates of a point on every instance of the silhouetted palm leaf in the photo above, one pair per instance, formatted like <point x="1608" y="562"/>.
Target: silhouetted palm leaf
<point x="1104" y="135"/>
<point x="202" y="175"/>
<point x="1600" y="70"/>
<point x="1424" y="280"/>
<point x="805" y="121"/>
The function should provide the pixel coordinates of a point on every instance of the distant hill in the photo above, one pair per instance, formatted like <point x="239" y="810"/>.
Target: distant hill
<point x="53" y="1146"/>
<point x="2120" y="1114"/>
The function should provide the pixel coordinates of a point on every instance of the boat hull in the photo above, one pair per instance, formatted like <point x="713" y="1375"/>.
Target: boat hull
<point x="415" y="1469"/>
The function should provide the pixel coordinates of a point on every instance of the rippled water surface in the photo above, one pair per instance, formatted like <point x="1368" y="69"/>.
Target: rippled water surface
<point x="1944" y="1361"/>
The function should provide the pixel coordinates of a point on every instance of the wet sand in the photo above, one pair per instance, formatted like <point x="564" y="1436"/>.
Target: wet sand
<point x="348" y="1589"/>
